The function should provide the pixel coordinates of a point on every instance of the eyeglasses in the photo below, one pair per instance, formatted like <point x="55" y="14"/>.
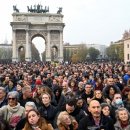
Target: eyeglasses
<point x="11" y="98"/>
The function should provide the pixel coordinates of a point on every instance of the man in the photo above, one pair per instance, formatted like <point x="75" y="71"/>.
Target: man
<point x="28" y="106"/>
<point x="87" y="95"/>
<point x="26" y="95"/>
<point x="95" y="120"/>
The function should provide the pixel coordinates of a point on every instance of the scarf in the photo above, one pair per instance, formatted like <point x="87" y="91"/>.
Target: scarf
<point x="13" y="109"/>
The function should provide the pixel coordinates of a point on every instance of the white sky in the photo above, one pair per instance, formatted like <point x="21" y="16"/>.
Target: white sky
<point x="89" y="21"/>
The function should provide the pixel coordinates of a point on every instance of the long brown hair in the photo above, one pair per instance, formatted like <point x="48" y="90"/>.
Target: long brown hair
<point x="42" y="123"/>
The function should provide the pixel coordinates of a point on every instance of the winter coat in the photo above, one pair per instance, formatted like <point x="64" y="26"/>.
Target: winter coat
<point x="42" y="124"/>
<point x="12" y="114"/>
<point x="118" y="126"/>
<point x="48" y="113"/>
<point x="88" y="123"/>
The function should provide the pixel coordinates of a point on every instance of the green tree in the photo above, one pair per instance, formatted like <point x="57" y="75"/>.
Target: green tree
<point x="93" y="53"/>
<point x="6" y="53"/>
<point x="115" y="52"/>
<point x="82" y="52"/>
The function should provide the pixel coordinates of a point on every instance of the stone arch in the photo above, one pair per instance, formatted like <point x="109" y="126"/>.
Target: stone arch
<point x="26" y="26"/>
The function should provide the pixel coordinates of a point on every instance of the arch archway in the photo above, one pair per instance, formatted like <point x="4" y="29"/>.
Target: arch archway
<point x="26" y="26"/>
<point x="39" y="44"/>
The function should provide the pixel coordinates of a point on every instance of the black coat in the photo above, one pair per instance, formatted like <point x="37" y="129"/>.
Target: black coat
<point x="87" y="123"/>
<point x="21" y="124"/>
<point x="48" y="113"/>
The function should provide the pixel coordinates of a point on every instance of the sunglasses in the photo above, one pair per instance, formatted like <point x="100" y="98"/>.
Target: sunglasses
<point x="11" y="98"/>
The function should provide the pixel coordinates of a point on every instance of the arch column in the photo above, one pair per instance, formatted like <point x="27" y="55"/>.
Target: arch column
<point x="28" y="48"/>
<point x="48" y="47"/>
<point x="61" y="47"/>
<point x="14" y="49"/>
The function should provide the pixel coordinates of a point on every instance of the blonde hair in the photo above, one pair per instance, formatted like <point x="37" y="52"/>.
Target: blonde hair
<point x="60" y="117"/>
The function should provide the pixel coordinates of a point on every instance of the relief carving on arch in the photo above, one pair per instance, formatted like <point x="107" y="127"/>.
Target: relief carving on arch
<point x="54" y="19"/>
<point x="37" y="32"/>
<point x="55" y="35"/>
<point x="20" y="35"/>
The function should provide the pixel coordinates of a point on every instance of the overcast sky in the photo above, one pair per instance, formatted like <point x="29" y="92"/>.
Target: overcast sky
<point x="89" y="21"/>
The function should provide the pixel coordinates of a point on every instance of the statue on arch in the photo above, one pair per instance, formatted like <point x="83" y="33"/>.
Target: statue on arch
<point x="59" y="10"/>
<point x="15" y="8"/>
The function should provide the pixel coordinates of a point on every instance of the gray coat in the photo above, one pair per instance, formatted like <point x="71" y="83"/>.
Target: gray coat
<point x="118" y="126"/>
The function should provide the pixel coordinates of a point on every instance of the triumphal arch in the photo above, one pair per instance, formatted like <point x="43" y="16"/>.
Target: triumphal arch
<point x="37" y="22"/>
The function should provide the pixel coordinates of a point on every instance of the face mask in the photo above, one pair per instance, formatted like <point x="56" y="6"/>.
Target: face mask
<point x="118" y="101"/>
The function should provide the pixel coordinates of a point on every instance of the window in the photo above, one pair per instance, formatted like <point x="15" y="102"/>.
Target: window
<point x="127" y="45"/>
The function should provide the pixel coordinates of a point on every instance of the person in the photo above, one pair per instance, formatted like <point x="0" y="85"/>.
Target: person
<point x="73" y="110"/>
<point x="123" y="119"/>
<point x="81" y="104"/>
<point x="47" y="110"/>
<point x="28" y="106"/>
<point x="116" y="103"/>
<point x="126" y="77"/>
<point x="110" y="83"/>
<point x="59" y="98"/>
<point x="12" y="112"/>
<point x="95" y="120"/>
<point x="88" y="93"/>
<point x="66" y="122"/>
<point x="3" y="99"/>
<point x="106" y="109"/>
<point x="36" y="122"/>
<point x="80" y="88"/>
<point x="127" y="102"/>
<point x="98" y="96"/>
<point x="26" y="95"/>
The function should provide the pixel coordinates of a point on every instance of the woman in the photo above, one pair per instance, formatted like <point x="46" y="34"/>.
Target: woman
<point x="106" y="109"/>
<point x="110" y="92"/>
<point x="66" y="122"/>
<point x="81" y="104"/>
<point x="59" y="98"/>
<point x="13" y="112"/>
<point x="36" y="122"/>
<point x="47" y="110"/>
<point x="98" y="96"/>
<point x="123" y="119"/>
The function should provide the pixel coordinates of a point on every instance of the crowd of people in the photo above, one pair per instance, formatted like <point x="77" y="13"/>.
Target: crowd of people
<point x="62" y="96"/>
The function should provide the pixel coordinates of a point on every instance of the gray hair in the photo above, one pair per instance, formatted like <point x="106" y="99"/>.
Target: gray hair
<point x="13" y="94"/>
<point x="31" y="104"/>
<point x="122" y="109"/>
<point x="3" y="89"/>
